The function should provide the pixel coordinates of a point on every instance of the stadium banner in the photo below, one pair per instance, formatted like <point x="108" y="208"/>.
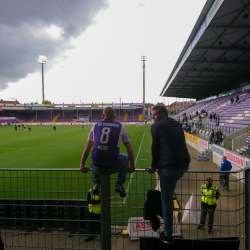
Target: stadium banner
<point x="219" y="151"/>
<point x="150" y="111"/>
<point x="138" y="227"/>
<point x="83" y="107"/>
<point x="128" y="123"/>
<point x="1" y="108"/>
<point x="14" y="108"/>
<point x="235" y="159"/>
<point x="70" y="123"/>
<point x="192" y="138"/>
<point x="68" y="108"/>
<point x="7" y="118"/>
<point x="54" y="108"/>
<point x="202" y="143"/>
<point x="39" y="108"/>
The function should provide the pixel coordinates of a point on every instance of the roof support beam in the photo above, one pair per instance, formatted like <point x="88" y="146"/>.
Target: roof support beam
<point x="218" y="61"/>
<point x="229" y="48"/>
<point x="214" y="71"/>
<point x="228" y="26"/>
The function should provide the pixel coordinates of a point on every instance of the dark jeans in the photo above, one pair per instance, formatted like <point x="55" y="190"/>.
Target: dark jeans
<point x="218" y="142"/>
<point x="95" y="223"/>
<point x="211" y="139"/>
<point x="205" y="208"/>
<point x="224" y="180"/>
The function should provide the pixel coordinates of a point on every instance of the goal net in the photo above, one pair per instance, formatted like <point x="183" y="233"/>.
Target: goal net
<point x="140" y="125"/>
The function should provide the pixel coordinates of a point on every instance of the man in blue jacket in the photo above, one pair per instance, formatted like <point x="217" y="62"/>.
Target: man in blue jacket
<point x="224" y="177"/>
<point x="170" y="156"/>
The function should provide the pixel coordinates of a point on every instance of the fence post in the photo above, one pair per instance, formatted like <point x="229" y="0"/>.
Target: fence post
<point x="105" y="214"/>
<point x="247" y="209"/>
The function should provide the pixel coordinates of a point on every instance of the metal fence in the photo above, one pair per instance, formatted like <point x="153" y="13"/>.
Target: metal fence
<point x="47" y="209"/>
<point x="228" y="130"/>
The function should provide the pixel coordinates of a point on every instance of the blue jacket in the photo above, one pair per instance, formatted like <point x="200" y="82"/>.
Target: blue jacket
<point x="226" y="166"/>
<point x="168" y="144"/>
<point x="212" y="135"/>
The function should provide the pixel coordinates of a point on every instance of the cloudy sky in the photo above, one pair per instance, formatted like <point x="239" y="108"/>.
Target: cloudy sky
<point x="93" y="48"/>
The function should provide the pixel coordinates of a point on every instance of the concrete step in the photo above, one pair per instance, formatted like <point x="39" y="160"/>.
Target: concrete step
<point x="197" y="158"/>
<point x="201" y="156"/>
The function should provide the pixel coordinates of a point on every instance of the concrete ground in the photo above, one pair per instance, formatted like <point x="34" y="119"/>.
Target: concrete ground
<point x="228" y="218"/>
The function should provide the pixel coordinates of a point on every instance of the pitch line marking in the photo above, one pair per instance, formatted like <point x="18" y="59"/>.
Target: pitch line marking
<point x="131" y="176"/>
<point x="13" y="152"/>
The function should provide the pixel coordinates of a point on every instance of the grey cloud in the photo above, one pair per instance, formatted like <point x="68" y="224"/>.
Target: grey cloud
<point x="20" y="24"/>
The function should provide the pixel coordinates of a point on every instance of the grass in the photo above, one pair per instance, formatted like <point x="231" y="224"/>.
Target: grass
<point x="42" y="152"/>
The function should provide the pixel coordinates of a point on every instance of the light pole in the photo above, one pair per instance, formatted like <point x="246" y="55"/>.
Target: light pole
<point x="42" y="60"/>
<point x="143" y="58"/>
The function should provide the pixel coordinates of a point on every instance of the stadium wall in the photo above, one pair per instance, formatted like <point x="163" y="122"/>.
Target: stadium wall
<point x="67" y="123"/>
<point x="238" y="161"/>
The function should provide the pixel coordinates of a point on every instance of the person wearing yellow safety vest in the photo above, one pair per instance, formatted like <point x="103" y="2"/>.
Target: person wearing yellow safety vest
<point x="210" y="194"/>
<point x="94" y="206"/>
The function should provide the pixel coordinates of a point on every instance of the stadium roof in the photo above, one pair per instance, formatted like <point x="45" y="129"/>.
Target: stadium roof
<point x="216" y="57"/>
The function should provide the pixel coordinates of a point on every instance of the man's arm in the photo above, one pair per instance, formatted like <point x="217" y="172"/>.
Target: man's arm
<point x="222" y="166"/>
<point x="155" y="149"/>
<point x="217" y="194"/>
<point x="130" y="152"/>
<point x="85" y="155"/>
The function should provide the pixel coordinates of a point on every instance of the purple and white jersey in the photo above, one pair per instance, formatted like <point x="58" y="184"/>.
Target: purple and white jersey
<point x="107" y="136"/>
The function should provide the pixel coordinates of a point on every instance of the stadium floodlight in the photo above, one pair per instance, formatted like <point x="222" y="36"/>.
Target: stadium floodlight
<point x="42" y="60"/>
<point x="143" y="58"/>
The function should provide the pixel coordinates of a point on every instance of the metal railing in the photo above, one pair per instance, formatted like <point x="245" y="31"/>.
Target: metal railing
<point x="228" y="130"/>
<point x="47" y="209"/>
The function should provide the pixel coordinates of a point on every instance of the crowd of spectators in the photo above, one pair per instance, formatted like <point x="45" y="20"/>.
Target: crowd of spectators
<point x="216" y="137"/>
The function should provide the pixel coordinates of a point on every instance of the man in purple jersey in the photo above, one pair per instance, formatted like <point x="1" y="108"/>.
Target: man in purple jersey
<point x="106" y="137"/>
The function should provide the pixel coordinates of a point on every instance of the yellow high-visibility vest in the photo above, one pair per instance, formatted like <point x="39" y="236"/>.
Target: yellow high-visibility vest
<point x="96" y="209"/>
<point x="209" y="195"/>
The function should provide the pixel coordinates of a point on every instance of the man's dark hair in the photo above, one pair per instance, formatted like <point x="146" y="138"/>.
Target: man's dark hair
<point x="161" y="109"/>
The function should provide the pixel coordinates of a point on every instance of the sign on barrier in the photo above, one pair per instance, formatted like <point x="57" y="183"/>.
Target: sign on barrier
<point x="219" y="151"/>
<point x="235" y="159"/>
<point x="203" y="143"/>
<point x="138" y="227"/>
<point x="192" y="138"/>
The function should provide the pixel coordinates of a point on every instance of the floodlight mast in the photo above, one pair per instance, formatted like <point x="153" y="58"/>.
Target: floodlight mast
<point x="42" y="60"/>
<point x="144" y="59"/>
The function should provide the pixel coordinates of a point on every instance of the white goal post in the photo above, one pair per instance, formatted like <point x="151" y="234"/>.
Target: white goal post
<point x="140" y="125"/>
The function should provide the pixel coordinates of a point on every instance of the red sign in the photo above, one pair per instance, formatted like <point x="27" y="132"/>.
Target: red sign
<point x="203" y="143"/>
<point x="235" y="159"/>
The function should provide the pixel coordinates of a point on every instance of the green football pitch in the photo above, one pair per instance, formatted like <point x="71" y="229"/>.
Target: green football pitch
<point x="44" y="164"/>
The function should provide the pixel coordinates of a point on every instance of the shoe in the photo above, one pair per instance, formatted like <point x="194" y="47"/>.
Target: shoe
<point x="224" y="188"/>
<point x="166" y="239"/>
<point x="210" y="231"/>
<point x="199" y="227"/>
<point x="96" y="189"/>
<point x="120" y="190"/>
<point x="90" y="238"/>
